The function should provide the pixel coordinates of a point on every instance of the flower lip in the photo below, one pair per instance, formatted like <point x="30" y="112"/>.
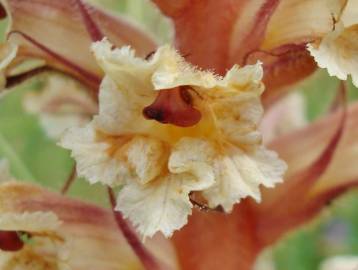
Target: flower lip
<point x="10" y="241"/>
<point x="173" y="106"/>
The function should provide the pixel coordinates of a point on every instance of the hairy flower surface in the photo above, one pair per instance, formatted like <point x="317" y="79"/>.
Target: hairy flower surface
<point x="338" y="50"/>
<point x="166" y="129"/>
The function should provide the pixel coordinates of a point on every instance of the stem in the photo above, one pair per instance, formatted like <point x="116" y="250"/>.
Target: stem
<point x="147" y="259"/>
<point x="69" y="181"/>
<point x="19" y="165"/>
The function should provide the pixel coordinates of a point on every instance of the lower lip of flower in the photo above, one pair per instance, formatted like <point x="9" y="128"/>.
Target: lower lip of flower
<point x="173" y="106"/>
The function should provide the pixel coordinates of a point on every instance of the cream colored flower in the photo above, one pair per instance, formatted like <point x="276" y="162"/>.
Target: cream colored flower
<point x="346" y="262"/>
<point x="31" y="241"/>
<point x="166" y="129"/>
<point x="338" y="50"/>
<point x="286" y="115"/>
<point x="62" y="103"/>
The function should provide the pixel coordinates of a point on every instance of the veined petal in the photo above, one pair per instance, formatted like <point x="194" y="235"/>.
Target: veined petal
<point x="239" y="175"/>
<point x="95" y="157"/>
<point x="162" y="205"/>
<point x="88" y="236"/>
<point x="298" y="21"/>
<point x="338" y="52"/>
<point x="123" y="66"/>
<point x="123" y="110"/>
<point x="35" y="27"/>
<point x="194" y="156"/>
<point x="147" y="157"/>
<point x="241" y="28"/>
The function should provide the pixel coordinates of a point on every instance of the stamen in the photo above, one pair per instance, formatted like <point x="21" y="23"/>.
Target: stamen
<point x="10" y="241"/>
<point x="173" y="106"/>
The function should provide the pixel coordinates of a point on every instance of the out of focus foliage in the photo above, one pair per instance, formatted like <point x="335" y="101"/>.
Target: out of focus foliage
<point x="36" y="158"/>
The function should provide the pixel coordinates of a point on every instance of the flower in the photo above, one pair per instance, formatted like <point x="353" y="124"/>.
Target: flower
<point x="31" y="241"/>
<point x="62" y="103"/>
<point x="343" y="262"/>
<point x="166" y="129"/>
<point x="44" y="230"/>
<point x="338" y="50"/>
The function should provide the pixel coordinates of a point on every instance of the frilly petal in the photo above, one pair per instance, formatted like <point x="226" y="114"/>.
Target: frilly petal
<point x="240" y="174"/>
<point x="147" y="157"/>
<point x="95" y="159"/>
<point x="194" y="156"/>
<point x="174" y="71"/>
<point x="162" y="205"/>
<point x="338" y="52"/>
<point x="130" y="73"/>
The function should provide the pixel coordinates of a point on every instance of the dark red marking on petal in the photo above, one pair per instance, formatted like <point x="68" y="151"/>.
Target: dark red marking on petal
<point x="94" y="79"/>
<point x="173" y="106"/>
<point x="91" y="26"/>
<point x="10" y="241"/>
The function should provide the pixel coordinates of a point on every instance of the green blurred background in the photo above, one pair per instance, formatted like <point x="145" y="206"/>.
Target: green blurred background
<point x="35" y="158"/>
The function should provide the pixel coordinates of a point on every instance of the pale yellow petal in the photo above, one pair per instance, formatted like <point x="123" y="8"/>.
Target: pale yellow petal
<point x="130" y="73"/>
<point x="147" y="157"/>
<point x="240" y="174"/>
<point x="173" y="71"/>
<point x="120" y="112"/>
<point x="162" y="205"/>
<point x="95" y="158"/>
<point x="343" y="262"/>
<point x="338" y="52"/>
<point x="298" y="21"/>
<point x="350" y="14"/>
<point x="29" y="222"/>
<point x="193" y="156"/>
